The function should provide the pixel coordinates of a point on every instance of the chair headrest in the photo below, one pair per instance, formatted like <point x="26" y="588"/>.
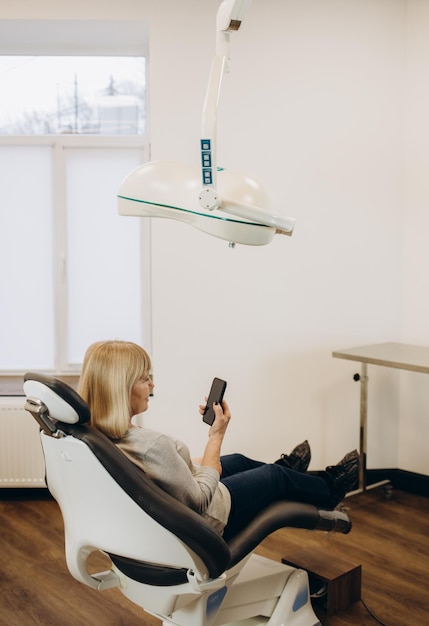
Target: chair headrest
<point x="63" y="402"/>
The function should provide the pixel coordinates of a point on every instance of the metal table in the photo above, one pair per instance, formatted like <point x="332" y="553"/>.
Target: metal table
<point x="397" y="355"/>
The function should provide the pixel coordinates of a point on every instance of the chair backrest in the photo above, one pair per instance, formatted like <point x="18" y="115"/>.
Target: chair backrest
<point x="108" y="503"/>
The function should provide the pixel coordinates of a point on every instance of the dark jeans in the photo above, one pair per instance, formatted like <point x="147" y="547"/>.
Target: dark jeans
<point x="254" y="485"/>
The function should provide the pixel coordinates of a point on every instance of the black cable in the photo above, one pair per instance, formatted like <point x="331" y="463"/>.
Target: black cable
<point x="372" y="614"/>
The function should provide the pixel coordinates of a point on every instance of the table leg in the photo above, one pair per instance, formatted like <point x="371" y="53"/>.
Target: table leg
<point x="363" y="425"/>
<point x="363" y="379"/>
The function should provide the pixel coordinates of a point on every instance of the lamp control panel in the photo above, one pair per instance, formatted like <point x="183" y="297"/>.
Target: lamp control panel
<point x="206" y="161"/>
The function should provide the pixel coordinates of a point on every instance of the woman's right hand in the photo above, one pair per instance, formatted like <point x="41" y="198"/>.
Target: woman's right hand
<point x="211" y="457"/>
<point x="222" y="417"/>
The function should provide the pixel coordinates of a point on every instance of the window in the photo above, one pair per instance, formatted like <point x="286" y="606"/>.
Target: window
<point x="44" y="95"/>
<point x="73" y="270"/>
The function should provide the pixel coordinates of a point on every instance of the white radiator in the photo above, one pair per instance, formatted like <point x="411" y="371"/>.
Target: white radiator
<point x="21" y="456"/>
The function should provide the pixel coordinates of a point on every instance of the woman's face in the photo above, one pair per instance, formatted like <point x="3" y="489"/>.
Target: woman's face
<point x="139" y="399"/>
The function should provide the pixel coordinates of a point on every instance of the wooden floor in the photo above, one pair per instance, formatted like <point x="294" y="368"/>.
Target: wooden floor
<point x="390" y="539"/>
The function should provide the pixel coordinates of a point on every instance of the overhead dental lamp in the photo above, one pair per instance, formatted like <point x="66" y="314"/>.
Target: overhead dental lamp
<point x="221" y="202"/>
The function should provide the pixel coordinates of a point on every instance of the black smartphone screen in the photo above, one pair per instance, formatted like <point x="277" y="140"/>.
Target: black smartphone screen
<point x="216" y="395"/>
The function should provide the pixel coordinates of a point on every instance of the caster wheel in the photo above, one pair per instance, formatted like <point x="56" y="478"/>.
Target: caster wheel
<point x="388" y="491"/>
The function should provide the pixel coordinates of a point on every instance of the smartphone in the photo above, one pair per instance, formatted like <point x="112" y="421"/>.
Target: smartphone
<point x="216" y="395"/>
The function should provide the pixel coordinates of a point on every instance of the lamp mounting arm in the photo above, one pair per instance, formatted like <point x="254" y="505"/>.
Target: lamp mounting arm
<point x="229" y="17"/>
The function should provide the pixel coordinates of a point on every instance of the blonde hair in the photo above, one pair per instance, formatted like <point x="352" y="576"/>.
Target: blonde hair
<point x="109" y="372"/>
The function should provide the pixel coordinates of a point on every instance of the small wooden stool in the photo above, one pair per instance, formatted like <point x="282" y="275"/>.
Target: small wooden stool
<point x="343" y="579"/>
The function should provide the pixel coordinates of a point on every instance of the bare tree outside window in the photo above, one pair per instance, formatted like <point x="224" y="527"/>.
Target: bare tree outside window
<point x="80" y="95"/>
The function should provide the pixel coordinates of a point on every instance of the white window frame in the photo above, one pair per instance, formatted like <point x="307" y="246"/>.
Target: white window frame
<point x="77" y="38"/>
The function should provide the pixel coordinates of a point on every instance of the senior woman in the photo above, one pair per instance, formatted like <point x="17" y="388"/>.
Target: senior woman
<point x="228" y="491"/>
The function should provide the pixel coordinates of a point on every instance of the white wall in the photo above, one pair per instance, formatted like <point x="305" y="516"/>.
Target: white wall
<point x="315" y="108"/>
<point x="414" y="424"/>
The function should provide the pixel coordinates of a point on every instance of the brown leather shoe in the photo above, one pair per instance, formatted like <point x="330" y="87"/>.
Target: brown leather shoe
<point x="344" y="476"/>
<point x="299" y="459"/>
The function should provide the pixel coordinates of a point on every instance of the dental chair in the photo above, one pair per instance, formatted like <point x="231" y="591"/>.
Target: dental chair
<point x="164" y="556"/>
